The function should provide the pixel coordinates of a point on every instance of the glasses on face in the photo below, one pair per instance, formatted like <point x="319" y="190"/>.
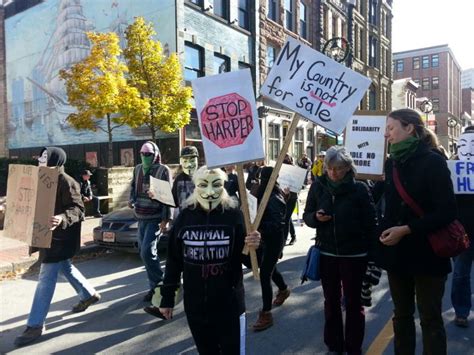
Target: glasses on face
<point x="336" y="169"/>
<point x="147" y="154"/>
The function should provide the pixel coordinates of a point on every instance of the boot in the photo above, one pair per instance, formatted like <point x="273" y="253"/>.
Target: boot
<point x="264" y="321"/>
<point x="83" y="305"/>
<point x="281" y="296"/>
<point x="28" y="336"/>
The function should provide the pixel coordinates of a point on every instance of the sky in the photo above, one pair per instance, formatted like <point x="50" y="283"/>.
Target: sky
<point x="426" y="23"/>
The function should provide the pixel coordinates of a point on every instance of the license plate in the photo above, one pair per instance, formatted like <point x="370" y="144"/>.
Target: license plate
<point x="108" y="237"/>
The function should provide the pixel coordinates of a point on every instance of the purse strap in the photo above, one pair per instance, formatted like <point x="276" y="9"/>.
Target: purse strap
<point x="404" y="194"/>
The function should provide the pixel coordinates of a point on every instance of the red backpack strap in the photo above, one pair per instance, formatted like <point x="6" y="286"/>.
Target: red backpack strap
<point x="404" y="194"/>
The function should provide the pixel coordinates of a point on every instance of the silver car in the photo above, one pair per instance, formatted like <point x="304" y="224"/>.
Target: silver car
<point x="119" y="229"/>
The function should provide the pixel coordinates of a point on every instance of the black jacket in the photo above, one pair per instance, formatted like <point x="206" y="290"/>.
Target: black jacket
<point x="207" y="249"/>
<point x="86" y="189"/>
<point x="66" y="240"/>
<point x="353" y="219"/>
<point x="426" y="178"/>
<point x="273" y="219"/>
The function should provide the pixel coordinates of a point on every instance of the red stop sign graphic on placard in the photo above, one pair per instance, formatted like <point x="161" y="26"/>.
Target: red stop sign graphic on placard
<point x="227" y="120"/>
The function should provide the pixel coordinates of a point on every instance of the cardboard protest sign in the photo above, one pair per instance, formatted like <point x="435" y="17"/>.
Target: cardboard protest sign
<point x="228" y="118"/>
<point x="31" y="196"/>
<point x="315" y="86"/>
<point x="462" y="176"/>
<point x="466" y="146"/>
<point x="365" y="142"/>
<point x="162" y="191"/>
<point x="292" y="177"/>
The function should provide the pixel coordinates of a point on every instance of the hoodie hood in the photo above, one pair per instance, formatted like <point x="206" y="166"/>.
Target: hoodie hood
<point x="56" y="156"/>
<point x="151" y="147"/>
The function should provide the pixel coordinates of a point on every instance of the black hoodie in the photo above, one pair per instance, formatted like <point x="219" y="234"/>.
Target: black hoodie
<point x="207" y="249"/>
<point x="67" y="236"/>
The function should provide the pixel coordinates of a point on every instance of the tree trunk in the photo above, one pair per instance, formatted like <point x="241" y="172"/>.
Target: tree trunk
<point x="110" y="153"/>
<point x="153" y="133"/>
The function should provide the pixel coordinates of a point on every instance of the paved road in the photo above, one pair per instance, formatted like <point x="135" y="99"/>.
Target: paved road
<point x="118" y="325"/>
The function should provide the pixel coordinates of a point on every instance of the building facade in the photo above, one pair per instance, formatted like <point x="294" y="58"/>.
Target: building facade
<point x="438" y="73"/>
<point x="467" y="87"/>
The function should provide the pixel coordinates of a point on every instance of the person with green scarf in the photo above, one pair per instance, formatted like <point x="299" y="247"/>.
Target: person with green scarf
<point x="402" y="246"/>
<point x="343" y="213"/>
<point x="152" y="215"/>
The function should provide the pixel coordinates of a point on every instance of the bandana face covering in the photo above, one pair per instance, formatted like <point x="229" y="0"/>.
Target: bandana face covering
<point x="209" y="190"/>
<point x="189" y="165"/>
<point x="147" y="161"/>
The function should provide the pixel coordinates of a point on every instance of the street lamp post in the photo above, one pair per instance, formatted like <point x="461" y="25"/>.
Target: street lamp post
<point x="350" y="31"/>
<point x="452" y="123"/>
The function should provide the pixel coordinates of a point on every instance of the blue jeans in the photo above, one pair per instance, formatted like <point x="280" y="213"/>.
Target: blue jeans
<point x="47" y="284"/>
<point x="461" y="286"/>
<point x="148" y="242"/>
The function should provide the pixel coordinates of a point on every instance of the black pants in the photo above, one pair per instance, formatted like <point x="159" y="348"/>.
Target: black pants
<point x="268" y="256"/>
<point x="428" y="291"/>
<point x="290" y="207"/>
<point x="215" y="335"/>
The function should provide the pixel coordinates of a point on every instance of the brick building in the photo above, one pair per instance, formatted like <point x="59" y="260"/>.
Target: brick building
<point x="438" y="73"/>
<point x="467" y="87"/>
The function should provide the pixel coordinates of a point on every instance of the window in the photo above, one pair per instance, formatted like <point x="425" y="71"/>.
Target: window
<point x="303" y="20"/>
<point x="416" y="63"/>
<point x="435" y="102"/>
<point x="299" y="134"/>
<point x="221" y="63"/>
<point x="244" y="19"/>
<point x="399" y="65"/>
<point x="425" y="60"/>
<point x="310" y="135"/>
<point x="289" y="15"/>
<point x="372" y="99"/>
<point x="192" y="128"/>
<point x="272" y="10"/>
<point x="435" y="60"/>
<point x="194" y="62"/>
<point x="271" y="56"/>
<point x="197" y="2"/>
<point x="372" y="51"/>
<point x="435" y="82"/>
<point x="221" y="8"/>
<point x="373" y="12"/>
<point x="425" y="84"/>
<point x="273" y="141"/>
<point x="417" y="81"/>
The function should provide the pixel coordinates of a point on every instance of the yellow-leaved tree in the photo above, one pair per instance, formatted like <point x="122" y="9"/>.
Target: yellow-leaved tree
<point x="158" y="78"/>
<point x="98" y="89"/>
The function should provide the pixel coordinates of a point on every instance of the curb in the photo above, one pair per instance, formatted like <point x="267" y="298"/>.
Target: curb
<point x="26" y="265"/>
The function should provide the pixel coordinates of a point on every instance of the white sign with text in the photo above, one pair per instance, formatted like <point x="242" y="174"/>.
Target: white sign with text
<point x="365" y="142"/>
<point x="292" y="176"/>
<point x="462" y="176"/>
<point x="161" y="190"/>
<point x="314" y="85"/>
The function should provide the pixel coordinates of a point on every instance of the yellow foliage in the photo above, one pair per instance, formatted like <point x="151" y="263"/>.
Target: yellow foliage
<point x="158" y="79"/>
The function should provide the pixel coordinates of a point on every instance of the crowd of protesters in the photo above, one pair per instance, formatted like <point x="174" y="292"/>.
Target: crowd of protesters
<point x="356" y="238"/>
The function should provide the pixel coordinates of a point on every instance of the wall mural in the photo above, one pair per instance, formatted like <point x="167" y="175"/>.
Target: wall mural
<point x="51" y="36"/>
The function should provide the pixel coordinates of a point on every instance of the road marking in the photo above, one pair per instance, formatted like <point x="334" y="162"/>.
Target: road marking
<point x="382" y="340"/>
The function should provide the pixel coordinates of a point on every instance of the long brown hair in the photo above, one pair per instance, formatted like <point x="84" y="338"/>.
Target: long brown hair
<point x="408" y="116"/>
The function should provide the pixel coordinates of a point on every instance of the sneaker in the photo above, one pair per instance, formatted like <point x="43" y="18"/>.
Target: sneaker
<point x="98" y="215"/>
<point x="154" y="311"/>
<point x="83" y="305"/>
<point x="281" y="296"/>
<point x="264" y="321"/>
<point x="29" y="335"/>
<point x="292" y="240"/>
<point x="461" y="322"/>
<point x="148" y="296"/>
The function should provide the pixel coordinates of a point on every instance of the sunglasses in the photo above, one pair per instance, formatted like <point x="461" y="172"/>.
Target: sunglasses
<point x="147" y="154"/>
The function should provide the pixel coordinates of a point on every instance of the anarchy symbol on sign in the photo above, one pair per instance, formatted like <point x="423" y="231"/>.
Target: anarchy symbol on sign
<point x="337" y="48"/>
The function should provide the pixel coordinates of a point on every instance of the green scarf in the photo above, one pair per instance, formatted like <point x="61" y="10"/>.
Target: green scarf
<point x="147" y="162"/>
<point x="333" y="186"/>
<point x="401" y="151"/>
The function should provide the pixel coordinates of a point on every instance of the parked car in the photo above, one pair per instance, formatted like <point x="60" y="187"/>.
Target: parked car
<point x="118" y="230"/>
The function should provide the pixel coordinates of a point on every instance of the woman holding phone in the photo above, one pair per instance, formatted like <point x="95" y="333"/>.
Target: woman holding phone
<point x="343" y="213"/>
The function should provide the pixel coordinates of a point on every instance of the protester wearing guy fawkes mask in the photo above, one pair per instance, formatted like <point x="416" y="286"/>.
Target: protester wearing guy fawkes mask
<point x="205" y="245"/>
<point x="461" y="293"/>
<point x="183" y="185"/>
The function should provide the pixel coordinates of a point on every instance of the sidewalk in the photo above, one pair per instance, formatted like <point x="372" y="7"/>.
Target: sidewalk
<point x="14" y="254"/>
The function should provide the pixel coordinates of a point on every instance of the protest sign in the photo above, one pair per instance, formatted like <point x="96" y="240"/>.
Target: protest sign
<point x="365" y="142"/>
<point x="161" y="190"/>
<point x="315" y="86"/>
<point x="31" y="196"/>
<point x="462" y="176"/>
<point x="292" y="177"/>
<point x="253" y="204"/>
<point x="228" y="118"/>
